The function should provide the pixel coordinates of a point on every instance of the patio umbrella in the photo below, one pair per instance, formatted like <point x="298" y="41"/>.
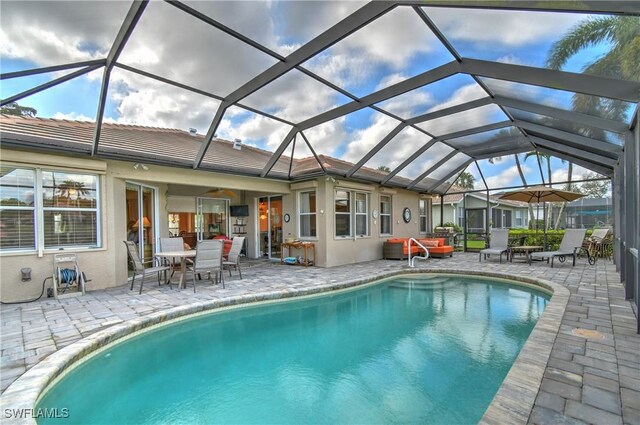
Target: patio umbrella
<point x="537" y="194"/>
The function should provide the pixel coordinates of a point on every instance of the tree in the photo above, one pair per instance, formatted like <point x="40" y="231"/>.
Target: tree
<point x="622" y="60"/>
<point x="384" y="169"/>
<point x="22" y="111"/>
<point x="594" y="188"/>
<point x="466" y="180"/>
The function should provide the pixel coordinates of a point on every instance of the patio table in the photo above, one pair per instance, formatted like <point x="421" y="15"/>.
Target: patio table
<point x="183" y="255"/>
<point x="524" y="249"/>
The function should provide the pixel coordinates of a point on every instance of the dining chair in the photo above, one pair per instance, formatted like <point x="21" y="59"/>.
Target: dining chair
<point x="138" y="266"/>
<point x="233" y="258"/>
<point x="208" y="260"/>
<point x="172" y="244"/>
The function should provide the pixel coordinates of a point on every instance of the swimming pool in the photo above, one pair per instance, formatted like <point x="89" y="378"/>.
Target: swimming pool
<point x="419" y="348"/>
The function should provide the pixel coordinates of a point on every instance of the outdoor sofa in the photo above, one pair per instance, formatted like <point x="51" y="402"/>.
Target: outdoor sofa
<point x="398" y="248"/>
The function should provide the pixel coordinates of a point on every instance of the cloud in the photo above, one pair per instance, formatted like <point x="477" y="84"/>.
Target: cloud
<point x="507" y="177"/>
<point x="52" y="33"/>
<point x="72" y="116"/>
<point x="507" y="28"/>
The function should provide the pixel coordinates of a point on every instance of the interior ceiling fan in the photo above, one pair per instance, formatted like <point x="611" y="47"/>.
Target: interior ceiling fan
<point x="221" y="193"/>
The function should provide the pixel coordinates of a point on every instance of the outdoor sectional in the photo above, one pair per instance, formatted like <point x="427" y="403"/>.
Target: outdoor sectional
<point x="398" y="248"/>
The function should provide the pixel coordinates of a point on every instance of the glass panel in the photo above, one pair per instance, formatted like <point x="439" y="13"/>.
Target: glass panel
<point x="213" y="219"/>
<point x="502" y="171"/>
<point x="471" y="118"/>
<point x="141" y="101"/>
<point x="68" y="190"/>
<point x="426" y="160"/>
<point x="263" y="223"/>
<point x="133" y="214"/>
<point x="361" y="203"/>
<point x="149" y="229"/>
<point x="361" y="225"/>
<point x="70" y="228"/>
<point x="442" y="187"/>
<point x="342" y="201"/>
<point x="16" y="186"/>
<point x="227" y="64"/>
<point x="385" y="205"/>
<point x="308" y="226"/>
<point x="259" y="135"/>
<point x="350" y="137"/>
<point x="308" y="202"/>
<point x="403" y="145"/>
<point x="76" y="99"/>
<point x="37" y="34"/>
<point x="572" y="127"/>
<point x="486" y="136"/>
<point x="441" y="172"/>
<point x="445" y="93"/>
<point x="295" y="97"/>
<point x="281" y="26"/>
<point x="591" y="105"/>
<point x="524" y="37"/>
<point x="17" y="229"/>
<point x="276" y="225"/>
<point x="394" y="47"/>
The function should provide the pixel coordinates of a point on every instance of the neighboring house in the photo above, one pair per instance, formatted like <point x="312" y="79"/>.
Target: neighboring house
<point x="56" y="197"/>
<point x="507" y="214"/>
<point x="588" y="213"/>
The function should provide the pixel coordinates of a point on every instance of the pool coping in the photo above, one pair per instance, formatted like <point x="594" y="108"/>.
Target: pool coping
<point x="512" y="403"/>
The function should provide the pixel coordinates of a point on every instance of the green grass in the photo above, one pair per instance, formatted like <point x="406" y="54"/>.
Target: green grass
<point x="475" y="244"/>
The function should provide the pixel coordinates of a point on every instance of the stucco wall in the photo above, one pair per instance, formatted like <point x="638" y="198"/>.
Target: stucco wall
<point x="106" y="266"/>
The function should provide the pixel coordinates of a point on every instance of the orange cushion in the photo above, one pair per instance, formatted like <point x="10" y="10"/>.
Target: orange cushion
<point x="429" y="243"/>
<point x="441" y="249"/>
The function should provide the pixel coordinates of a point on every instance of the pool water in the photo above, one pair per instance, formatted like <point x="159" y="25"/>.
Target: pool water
<point x="418" y="349"/>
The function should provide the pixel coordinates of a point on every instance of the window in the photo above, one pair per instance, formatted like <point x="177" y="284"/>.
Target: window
<point x="385" y="215"/>
<point x="362" y="214"/>
<point x="307" y="215"/>
<point x="345" y="215"/>
<point x="422" y="213"/>
<point x="17" y="208"/>
<point x="48" y="209"/>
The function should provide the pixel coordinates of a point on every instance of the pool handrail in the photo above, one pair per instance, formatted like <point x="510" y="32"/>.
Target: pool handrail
<point x="409" y="259"/>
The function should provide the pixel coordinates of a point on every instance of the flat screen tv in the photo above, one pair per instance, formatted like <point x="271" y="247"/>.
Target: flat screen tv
<point x="239" y="210"/>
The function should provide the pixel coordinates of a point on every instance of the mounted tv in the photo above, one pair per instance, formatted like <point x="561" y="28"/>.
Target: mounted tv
<point x="239" y="210"/>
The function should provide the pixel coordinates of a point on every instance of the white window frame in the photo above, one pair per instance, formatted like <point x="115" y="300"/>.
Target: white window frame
<point x="33" y="210"/>
<point x="389" y="215"/>
<point x="364" y="214"/>
<point x="422" y="206"/>
<point x="352" y="213"/>
<point x="39" y="210"/>
<point x="312" y="214"/>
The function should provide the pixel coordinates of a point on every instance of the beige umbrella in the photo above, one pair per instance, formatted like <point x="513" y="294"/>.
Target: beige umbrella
<point x="537" y="194"/>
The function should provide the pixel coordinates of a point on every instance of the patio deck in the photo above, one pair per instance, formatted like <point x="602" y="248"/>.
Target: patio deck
<point x="585" y="381"/>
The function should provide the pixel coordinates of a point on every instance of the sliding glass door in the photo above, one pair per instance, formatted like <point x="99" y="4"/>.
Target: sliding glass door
<point x="140" y="203"/>
<point x="270" y="226"/>
<point x="212" y="218"/>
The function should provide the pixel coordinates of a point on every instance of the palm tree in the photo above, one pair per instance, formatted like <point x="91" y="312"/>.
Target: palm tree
<point x="621" y="61"/>
<point x="466" y="180"/>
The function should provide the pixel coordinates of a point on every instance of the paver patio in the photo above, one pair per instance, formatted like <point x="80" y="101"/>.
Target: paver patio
<point x="588" y="379"/>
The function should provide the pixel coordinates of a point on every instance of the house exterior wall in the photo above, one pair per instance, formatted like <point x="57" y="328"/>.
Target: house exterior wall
<point x="107" y="266"/>
<point x="449" y="214"/>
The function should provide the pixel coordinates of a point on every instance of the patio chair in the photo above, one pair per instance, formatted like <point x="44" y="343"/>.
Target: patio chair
<point x="173" y="244"/>
<point x="499" y="244"/>
<point x="571" y="244"/>
<point x="208" y="260"/>
<point x="138" y="266"/>
<point x="233" y="258"/>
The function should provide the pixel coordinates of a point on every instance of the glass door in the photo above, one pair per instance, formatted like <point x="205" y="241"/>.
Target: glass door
<point x="140" y="203"/>
<point x="212" y="218"/>
<point x="270" y="226"/>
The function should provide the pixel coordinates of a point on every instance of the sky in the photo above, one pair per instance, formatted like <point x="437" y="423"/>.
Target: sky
<point x="396" y="46"/>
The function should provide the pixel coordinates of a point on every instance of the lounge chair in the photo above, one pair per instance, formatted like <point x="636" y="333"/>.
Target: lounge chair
<point x="499" y="244"/>
<point x="138" y="266"/>
<point x="570" y="246"/>
<point x="208" y="259"/>
<point x="233" y="257"/>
